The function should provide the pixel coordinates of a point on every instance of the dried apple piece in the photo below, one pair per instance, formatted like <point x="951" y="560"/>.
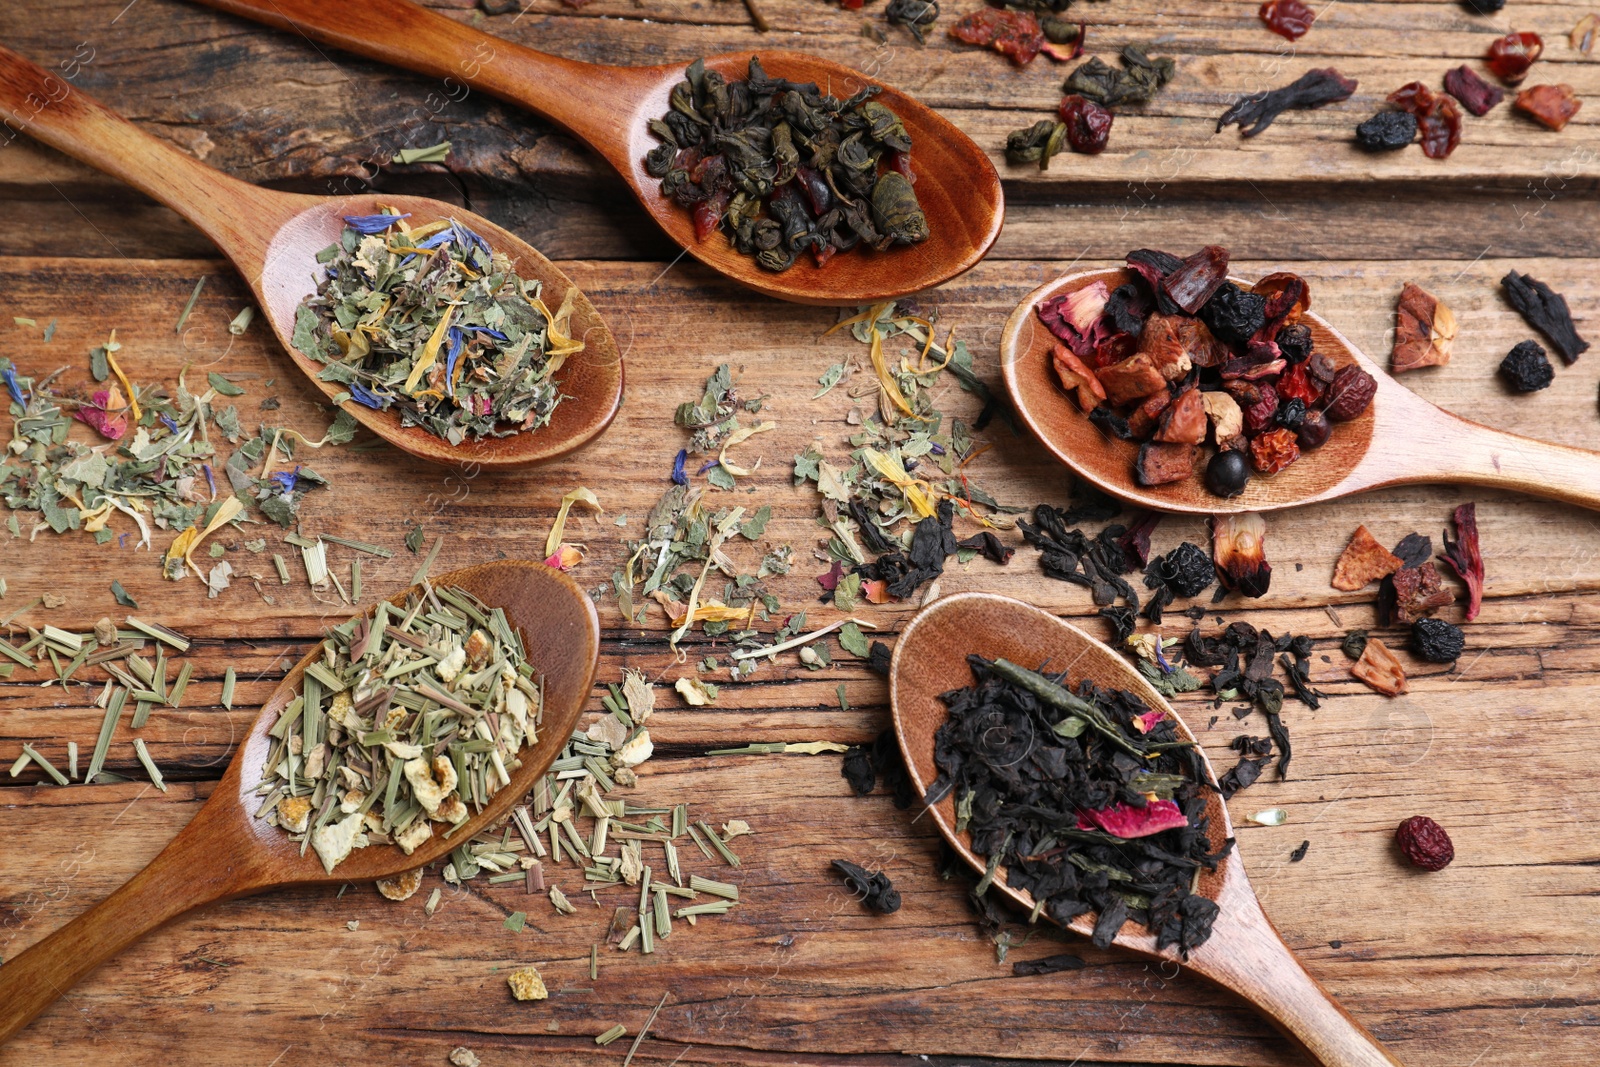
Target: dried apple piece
<point x="1363" y="561"/>
<point x="1160" y="464"/>
<point x="1076" y="378"/>
<point x="1132" y="379"/>
<point x="1379" y="669"/>
<point x="1424" y="330"/>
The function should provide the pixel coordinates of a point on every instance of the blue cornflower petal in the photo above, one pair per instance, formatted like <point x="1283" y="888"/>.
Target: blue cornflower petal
<point x="496" y="334"/>
<point x="362" y="395"/>
<point x="677" y="467"/>
<point x="443" y="237"/>
<point x="285" y="480"/>
<point x="169" y="422"/>
<point x="371" y="224"/>
<point x="454" y="353"/>
<point x="937" y="448"/>
<point x="707" y="466"/>
<point x="13" y="386"/>
<point x="469" y="238"/>
<point x="211" y="479"/>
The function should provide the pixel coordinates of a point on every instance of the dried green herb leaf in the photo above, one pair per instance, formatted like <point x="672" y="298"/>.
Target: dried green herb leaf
<point x="223" y="386"/>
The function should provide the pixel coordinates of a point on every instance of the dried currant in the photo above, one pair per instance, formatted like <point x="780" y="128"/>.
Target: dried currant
<point x="1387" y="131"/>
<point x="1352" y="390"/>
<point x="1510" y="56"/>
<point x="1315" y="429"/>
<point x="1475" y="94"/>
<point x="1424" y="843"/>
<point x="1258" y="415"/>
<point x="1295" y="342"/>
<point x="1228" y="473"/>
<point x="1485" y="7"/>
<point x="1274" y="450"/>
<point x="1526" y="368"/>
<point x="1550" y="105"/>
<point x="1088" y="125"/>
<point x="1234" y="314"/>
<point x="1437" y="641"/>
<point x="1288" y="18"/>
<point x="1291" y="414"/>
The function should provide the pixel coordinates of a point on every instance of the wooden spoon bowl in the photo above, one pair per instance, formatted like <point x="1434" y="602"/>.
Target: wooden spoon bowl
<point x="273" y="238"/>
<point x="608" y="107"/>
<point x="1401" y="438"/>
<point x="226" y="852"/>
<point x="1244" y="954"/>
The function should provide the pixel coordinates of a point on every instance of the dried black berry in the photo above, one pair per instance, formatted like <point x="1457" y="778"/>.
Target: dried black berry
<point x="1387" y="131"/>
<point x="1234" y="314"/>
<point x="1128" y="307"/>
<point x="1546" y="311"/>
<point x="1526" y="368"/>
<point x="1295" y="342"/>
<point x="1437" y="641"/>
<point x="1484" y="7"/>
<point x="1292" y="414"/>
<point x="1110" y="422"/>
<point x="1228" y="473"/>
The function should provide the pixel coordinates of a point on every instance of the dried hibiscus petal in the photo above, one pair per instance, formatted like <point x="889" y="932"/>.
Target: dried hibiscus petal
<point x="1274" y="450"/>
<point x="1464" y="558"/>
<point x="1379" y="669"/>
<point x="106" y="413"/>
<point x="1197" y="278"/>
<point x="1363" y="562"/>
<point x="1014" y="34"/>
<point x="1288" y="18"/>
<point x="1075" y="317"/>
<point x="1295" y="384"/>
<point x="1238" y="546"/>
<point x="1088" y="124"/>
<point x="1551" y="105"/>
<point x="1438" y="117"/>
<point x="1424" y="330"/>
<point x="1511" y="56"/>
<point x="1314" y="88"/>
<point x="1546" y="311"/>
<point x="1258" y="414"/>
<point x="1475" y="94"/>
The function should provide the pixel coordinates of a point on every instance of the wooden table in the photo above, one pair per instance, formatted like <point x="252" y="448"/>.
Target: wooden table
<point x="1493" y="961"/>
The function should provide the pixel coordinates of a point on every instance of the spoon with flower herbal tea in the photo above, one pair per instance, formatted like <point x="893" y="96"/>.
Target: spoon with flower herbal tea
<point x="1400" y="439"/>
<point x="564" y="384"/>
<point x="613" y="109"/>
<point x="1241" y="951"/>
<point x="244" y="839"/>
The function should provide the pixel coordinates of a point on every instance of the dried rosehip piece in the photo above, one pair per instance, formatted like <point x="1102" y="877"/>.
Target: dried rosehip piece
<point x="1526" y="368"/>
<point x="1274" y="450"/>
<point x="1511" y="56"/>
<point x="1438" y="117"/>
<point x="1424" y="843"/>
<point x="1349" y="395"/>
<point x="1387" y="131"/>
<point x="1551" y="105"/>
<point x="1015" y="34"/>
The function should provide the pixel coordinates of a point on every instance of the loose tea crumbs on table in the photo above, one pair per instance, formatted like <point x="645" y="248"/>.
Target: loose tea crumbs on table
<point x="1254" y="113"/>
<point x="433" y="323"/>
<point x="781" y="168"/>
<point x="1078" y="829"/>
<point x="1546" y="311"/>
<point x="1526" y="368"/>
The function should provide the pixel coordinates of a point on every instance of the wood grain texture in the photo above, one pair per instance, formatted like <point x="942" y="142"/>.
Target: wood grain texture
<point x="1496" y="955"/>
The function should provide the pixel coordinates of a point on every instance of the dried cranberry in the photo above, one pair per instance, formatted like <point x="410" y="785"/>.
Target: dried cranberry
<point x="1475" y="94"/>
<point x="1511" y="56"/>
<point x="1553" y="105"/>
<point x="1438" y="117"/>
<point x="1424" y="843"/>
<point x="1352" y="390"/>
<point x="1314" y="431"/>
<point x="1258" y="415"/>
<point x="1088" y="125"/>
<point x="1287" y="18"/>
<point x="1274" y="450"/>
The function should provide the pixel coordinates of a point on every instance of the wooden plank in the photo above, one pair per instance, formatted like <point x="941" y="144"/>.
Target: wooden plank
<point x="798" y="974"/>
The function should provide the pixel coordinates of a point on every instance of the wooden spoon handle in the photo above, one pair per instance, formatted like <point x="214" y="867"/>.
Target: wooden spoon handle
<point x="49" y="108"/>
<point x="1245" y="954"/>
<point x="594" y="103"/>
<point x="194" y="869"/>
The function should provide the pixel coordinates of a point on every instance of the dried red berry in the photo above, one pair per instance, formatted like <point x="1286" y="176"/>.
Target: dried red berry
<point x="1287" y="18"/>
<point x="1314" y="431"/>
<point x="1553" y="105"/>
<point x="1352" y="390"/>
<point x="1011" y="33"/>
<point x="1272" y="451"/>
<point x="1511" y="56"/>
<point x="1424" y="843"/>
<point x="1088" y="125"/>
<point x="1475" y="94"/>
<point x="1259" y="414"/>
<point x="1438" y="117"/>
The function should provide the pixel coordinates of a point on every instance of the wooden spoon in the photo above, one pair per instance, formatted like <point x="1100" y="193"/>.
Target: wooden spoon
<point x="607" y="107"/>
<point x="1400" y="440"/>
<point x="273" y="238"/>
<point x="225" y="852"/>
<point x="1244" y="954"/>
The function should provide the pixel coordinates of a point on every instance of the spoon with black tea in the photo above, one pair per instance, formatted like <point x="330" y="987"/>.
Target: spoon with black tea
<point x="1244" y="953"/>
<point x="226" y="852"/>
<point x="608" y="107"/>
<point x="1401" y="439"/>
<point x="273" y="239"/>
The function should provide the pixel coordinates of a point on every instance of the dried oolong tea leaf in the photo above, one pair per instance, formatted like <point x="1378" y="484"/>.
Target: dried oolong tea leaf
<point x="872" y="888"/>
<point x="1546" y="311"/>
<point x="433" y="323"/>
<point x="1137" y="82"/>
<point x="1085" y="798"/>
<point x="406" y="721"/>
<point x="781" y="168"/>
<point x="1314" y="88"/>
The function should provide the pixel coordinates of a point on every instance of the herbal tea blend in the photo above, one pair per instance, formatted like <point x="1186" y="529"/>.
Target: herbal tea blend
<point x="1087" y="799"/>
<point x="430" y="321"/>
<point x="783" y="169"/>
<point x="405" y="719"/>
<point x="1179" y="356"/>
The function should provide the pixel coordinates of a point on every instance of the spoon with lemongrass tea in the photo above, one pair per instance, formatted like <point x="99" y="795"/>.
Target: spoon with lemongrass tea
<point x="793" y="175"/>
<point x="405" y="731"/>
<point x="442" y="333"/>
<point x="1172" y="386"/>
<point x="1026" y="737"/>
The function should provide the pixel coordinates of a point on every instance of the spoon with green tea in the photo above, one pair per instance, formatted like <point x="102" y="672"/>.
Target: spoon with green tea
<point x="1401" y="439"/>
<point x="609" y="107"/>
<point x="227" y="851"/>
<point x="1244" y="953"/>
<point x="273" y="239"/>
